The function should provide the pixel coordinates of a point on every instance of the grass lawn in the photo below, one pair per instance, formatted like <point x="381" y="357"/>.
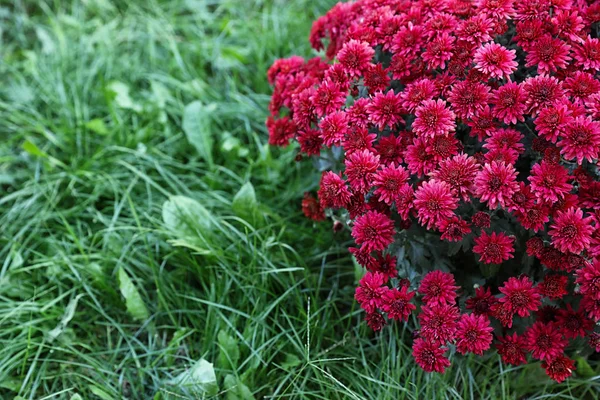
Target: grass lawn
<point x="151" y="241"/>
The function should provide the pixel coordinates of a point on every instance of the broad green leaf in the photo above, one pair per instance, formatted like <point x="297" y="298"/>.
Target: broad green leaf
<point x="229" y="352"/>
<point x="133" y="300"/>
<point x="66" y="318"/>
<point x="100" y="393"/>
<point x="98" y="126"/>
<point x="489" y="270"/>
<point x="236" y="390"/>
<point x="186" y="217"/>
<point x="119" y="93"/>
<point x="32" y="149"/>
<point x="197" y="125"/>
<point x="290" y="362"/>
<point x="583" y="368"/>
<point x="188" y="243"/>
<point x="76" y="396"/>
<point x="199" y="379"/>
<point x="11" y="384"/>
<point x="244" y="203"/>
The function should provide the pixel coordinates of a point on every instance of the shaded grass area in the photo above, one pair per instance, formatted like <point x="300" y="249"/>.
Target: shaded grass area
<point x="91" y="116"/>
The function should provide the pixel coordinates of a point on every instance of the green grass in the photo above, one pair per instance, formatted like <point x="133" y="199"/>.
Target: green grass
<point x="91" y="116"/>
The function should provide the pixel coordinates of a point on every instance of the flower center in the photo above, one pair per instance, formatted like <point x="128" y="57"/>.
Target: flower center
<point x="569" y="231"/>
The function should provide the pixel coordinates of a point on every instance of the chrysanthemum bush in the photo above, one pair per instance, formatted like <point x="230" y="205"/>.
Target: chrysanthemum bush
<point x="459" y="141"/>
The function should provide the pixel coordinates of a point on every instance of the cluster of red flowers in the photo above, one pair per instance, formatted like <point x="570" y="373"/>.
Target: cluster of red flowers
<point x="475" y="119"/>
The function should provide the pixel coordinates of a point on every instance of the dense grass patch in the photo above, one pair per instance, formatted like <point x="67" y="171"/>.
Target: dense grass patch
<point x="105" y="294"/>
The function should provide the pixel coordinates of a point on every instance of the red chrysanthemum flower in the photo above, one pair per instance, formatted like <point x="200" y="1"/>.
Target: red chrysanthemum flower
<point x="408" y="39"/>
<point x="571" y="232"/>
<point x="441" y="147"/>
<point x="453" y="229"/>
<point x="481" y="219"/>
<point x="405" y="201"/>
<point x="364" y="258"/>
<point x="588" y="278"/>
<point x="396" y="303"/>
<point x="548" y="54"/>
<point x="559" y="368"/>
<point x="312" y="208"/>
<point x="375" y="320"/>
<point x="553" y="286"/>
<point x="551" y="121"/>
<point x="594" y="340"/>
<point x="386" y="264"/>
<point x="328" y="97"/>
<point x="540" y="91"/>
<point x="544" y="341"/>
<point x="549" y="182"/>
<point x="509" y="103"/>
<point x="512" y="349"/>
<point x="358" y="116"/>
<point x="495" y="248"/>
<point x="439" y="51"/>
<point x="369" y="293"/>
<point x="390" y="149"/>
<point x="388" y="182"/>
<point x="459" y="172"/>
<point x="581" y="140"/>
<point x="385" y="109"/>
<point x="358" y="139"/>
<point x="356" y="57"/>
<point x="534" y="217"/>
<point x="573" y="323"/>
<point x="522" y="199"/>
<point x="503" y="313"/>
<point x="467" y="98"/>
<point x="473" y="334"/>
<point x="434" y="202"/>
<point x="482" y="302"/>
<point x="418" y="159"/>
<point x="310" y="141"/>
<point x="430" y="356"/>
<point x="281" y="131"/>
<point x="505" y="139"/>
<point x="476" y="30"/>
<point x="433" y="118"/>
<point x="438" y="322"/>
<point x="360" y="169"/>
<point x="333" y="128"/>
<point x="591" y="307"/>
<point x="416" y="93"/>
<point x="498" y="9"/>
<point x="534" y="246"/>
<point x="520" y="296"/>
<point x="496" y="183"/>
<point x="495" y="60"/>
<point x="438" y="287"/>
<point x="374" y="231"/>
<point x="588" y="54"/>
<point x="580" y="86"/>
<point x="333" y="192"/>
<point x="376" y="78"/>
<point x="569" y="25"/>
